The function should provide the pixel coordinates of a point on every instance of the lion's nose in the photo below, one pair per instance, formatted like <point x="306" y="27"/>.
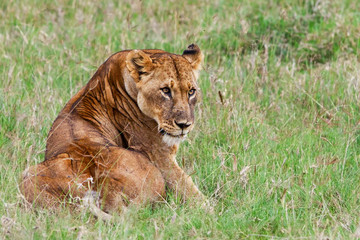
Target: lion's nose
<point x="182" y="125"/>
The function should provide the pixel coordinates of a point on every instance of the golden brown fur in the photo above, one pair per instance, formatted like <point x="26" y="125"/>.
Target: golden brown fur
<point x="119" y="134"/>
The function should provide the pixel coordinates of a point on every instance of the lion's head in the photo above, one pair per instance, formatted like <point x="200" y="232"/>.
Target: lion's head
<point x="164" y="86"/>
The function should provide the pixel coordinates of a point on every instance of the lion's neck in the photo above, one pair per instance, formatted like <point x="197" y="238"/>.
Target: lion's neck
<point x="121" y="119"/>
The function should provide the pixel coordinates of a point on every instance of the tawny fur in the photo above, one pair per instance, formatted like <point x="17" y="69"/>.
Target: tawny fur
<point x="118" y="136"/>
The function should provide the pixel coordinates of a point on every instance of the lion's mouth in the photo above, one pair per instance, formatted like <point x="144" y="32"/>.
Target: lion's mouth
<point x="165" y="133"/>
<point x="172" y="139"/>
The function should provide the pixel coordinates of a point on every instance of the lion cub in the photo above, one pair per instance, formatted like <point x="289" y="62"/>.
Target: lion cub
<point x="118" y="136"/>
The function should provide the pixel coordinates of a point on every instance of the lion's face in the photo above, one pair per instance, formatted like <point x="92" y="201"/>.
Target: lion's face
<point x="168" y="95"/>
<point x="166" y="89"/>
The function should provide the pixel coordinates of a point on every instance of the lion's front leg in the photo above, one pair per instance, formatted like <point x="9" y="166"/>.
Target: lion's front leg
<point x="178" y="180"/>
<point x="182" y="184"/>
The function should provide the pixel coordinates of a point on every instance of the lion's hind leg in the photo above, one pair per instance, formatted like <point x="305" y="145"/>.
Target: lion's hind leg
<point x="126" y="177"/>
<point x="52" y="182"/>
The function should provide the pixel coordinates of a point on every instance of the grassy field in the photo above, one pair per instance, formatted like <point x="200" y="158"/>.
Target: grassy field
<point x="277" y="142"/>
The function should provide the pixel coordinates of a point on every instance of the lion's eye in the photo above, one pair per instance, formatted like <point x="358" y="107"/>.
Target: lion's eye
<point x="192" y="92"/>
<point x="166" y="90"/>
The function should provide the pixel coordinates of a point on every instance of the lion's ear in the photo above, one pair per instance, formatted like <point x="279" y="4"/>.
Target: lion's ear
<point x="138" y="63"/>
<point x="195" y="57"/>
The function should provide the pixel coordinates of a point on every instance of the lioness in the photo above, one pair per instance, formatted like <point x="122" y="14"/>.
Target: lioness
<point x="118" y="136"/>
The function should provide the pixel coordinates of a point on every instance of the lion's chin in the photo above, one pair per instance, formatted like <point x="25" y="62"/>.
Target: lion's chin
<point x="171" y="140"/>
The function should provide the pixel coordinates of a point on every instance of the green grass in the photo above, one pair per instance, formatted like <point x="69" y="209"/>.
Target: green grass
<point x="278" y="156"/>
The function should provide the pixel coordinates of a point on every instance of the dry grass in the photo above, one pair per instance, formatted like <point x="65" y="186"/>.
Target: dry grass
<point x="276" y="147"/>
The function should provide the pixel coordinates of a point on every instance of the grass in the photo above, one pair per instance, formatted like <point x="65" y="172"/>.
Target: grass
<point x="278" y="153"/>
